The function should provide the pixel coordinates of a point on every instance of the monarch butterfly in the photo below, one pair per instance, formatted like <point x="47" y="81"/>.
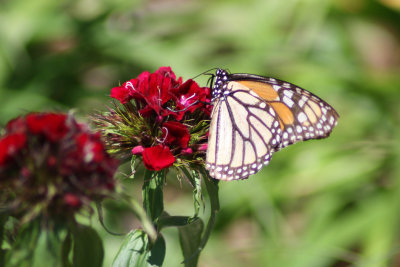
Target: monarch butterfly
<point x="254" y="116"/>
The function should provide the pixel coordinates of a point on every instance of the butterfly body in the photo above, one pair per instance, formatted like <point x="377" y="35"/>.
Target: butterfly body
<point x="254" y="116"/>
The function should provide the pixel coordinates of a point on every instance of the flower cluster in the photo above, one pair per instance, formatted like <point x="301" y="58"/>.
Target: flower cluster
<point x="160" y="118"/>
<point x="52" y="165"/>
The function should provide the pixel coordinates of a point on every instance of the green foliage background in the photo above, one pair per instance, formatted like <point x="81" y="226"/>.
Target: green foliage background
<point x="334" y="202"/>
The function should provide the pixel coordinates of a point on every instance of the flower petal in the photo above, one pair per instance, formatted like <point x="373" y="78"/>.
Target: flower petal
<point x="157" y="158"/>
<point x="176" y="134"/>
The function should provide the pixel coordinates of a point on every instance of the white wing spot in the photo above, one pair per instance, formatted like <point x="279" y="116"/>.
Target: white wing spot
<point x="288" y="93"/>
<point x="276" y="87"/>
<point x="299" y="129"/>
<point x="288" y="101"/>
<point x="301" y="117"/>
<point x="272" y="112"/>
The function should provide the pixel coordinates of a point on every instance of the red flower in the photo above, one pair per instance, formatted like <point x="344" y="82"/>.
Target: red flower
<point x="72" y="200"/>
<point x="189" y="97"/>
<point x="175" y="133"/>
<point x="51" y="125"/>
<point x="153" y="102"/>
<point x="123" y="92"/>
<point x="155" y="89"/>
<point x="16" y="125"/>
<point x="90" y="147"/>
<point x="150" y="90"/>
<point x="157" y="158"/>
<point x="58" y="154"/>
<point x="10" y="145"/>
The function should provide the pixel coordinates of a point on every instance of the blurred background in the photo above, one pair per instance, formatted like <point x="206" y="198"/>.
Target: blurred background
<point x="332" y="202"/>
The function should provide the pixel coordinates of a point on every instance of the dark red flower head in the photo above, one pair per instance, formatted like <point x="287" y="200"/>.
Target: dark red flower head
<point x="161" y="118"/>
<point x="52" y="161"/>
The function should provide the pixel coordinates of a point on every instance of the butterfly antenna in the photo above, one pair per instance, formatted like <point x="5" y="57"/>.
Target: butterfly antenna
<point x="205" y="73"/>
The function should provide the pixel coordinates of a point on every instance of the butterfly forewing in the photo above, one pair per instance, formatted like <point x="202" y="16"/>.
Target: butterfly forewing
<point x="254" y="116"/>
<point x="303" y="115"/>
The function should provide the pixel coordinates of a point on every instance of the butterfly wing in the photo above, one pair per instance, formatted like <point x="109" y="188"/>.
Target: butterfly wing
<point x="254" y="116"/>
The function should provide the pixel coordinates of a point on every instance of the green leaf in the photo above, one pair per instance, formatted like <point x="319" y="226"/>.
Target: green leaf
<point x="195" y="180"/>
<point x="152" y="191"/>
<point x="157" y="252"/>
<point x="212" y="189"/>
<point x="135" y="251"/>
<point x="2" y="257"/>
<point x="88" y="248"/>
<point x="141" y="213"/>
<point x="167" y="221"/>
<point x="22" y="252"/>
<point x="3" y="219"/>
<point x="190" y="239"/>
<point x="65" y="250"/>
<point x="49" y="247"/>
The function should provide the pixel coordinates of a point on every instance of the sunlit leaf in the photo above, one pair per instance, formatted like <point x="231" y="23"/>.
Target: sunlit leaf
<point x="136" y="251"/>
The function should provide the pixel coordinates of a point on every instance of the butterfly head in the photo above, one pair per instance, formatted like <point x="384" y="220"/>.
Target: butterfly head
<point x="221" y="77"/>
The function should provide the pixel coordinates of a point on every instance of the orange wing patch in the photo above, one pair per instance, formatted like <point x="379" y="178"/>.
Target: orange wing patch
<point x="284" y="113"/>
<point x="264" y="90"/>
